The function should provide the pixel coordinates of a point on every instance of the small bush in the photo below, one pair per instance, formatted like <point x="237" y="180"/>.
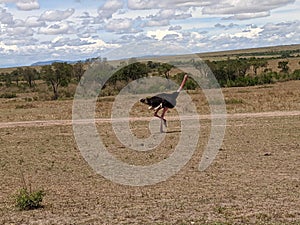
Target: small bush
<point x="27" y="200"/>
<point x="296" y="75"/>
<point x="234" y="101"/>
<point x="28" y="99"/>
<point x="25" y="106"/>
<point x="8" y="95"/>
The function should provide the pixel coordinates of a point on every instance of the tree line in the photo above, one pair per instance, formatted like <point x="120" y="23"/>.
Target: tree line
<point x="244" y="72"/>
<point x="55" y="75"/>
<point x="229" y="72"/>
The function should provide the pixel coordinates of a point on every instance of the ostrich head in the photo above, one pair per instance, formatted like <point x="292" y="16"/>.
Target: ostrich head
<point x="144" y="100"/>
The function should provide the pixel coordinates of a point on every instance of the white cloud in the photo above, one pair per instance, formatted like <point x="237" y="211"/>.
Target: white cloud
<point x="66" y="41"/>
<point x="242" y="9"/>
<point x="120" y="26"/>
<point x="109" y="8"/>
<point x="133" y="38"/>
<point x="156" y="23"/>
<point x="164" y="14"/>
<point x="20" y="31"/>
<point x="56" y="15"/>
<point x="163" y="17"/>
<point x="282" y="30"/>
<point x="85" y="31"/>
<point x="18" y="23"/>
<point x="158" y="4"/>
<point x="27" y="5"/>
<point x="65" y="30"/>
<point x="5" y="17"/>
<point x="90" y="47"/>
<point x="19" y="41"/>
<point x="33" y="21"/>
<point x="177" y="27"/>
<point x="7" y="48"/>
<point x="250" y="33"/>
<point x="171" y="37"/>
<point x="70" y="49"/>
<point x="247" y="16"/>
<point x="57" y="28"/>
<point x="196" y="36"/>
<point x="161" y="34"/>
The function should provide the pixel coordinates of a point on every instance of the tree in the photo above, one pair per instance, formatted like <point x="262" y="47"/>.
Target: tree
<point x="286" y="54"/>
<point x="257" y="63"/>
<point x="283" y="65"/>
<point x="78" y="70"/>
<point x="242" y="66"/>
<point x="229" y="70"/>
<point x="153" y="65"/>
<point x="165" y="69"/>
<point x="137" y="70"/>
<point x="29" y="75"/>
<point x="16" y="75"/>
<point x="2" y="77"/>
<point x="132" y="71"/>
<point x="56" y="75"/>
<point x="219" y="71"/>
<point x="8" y="79"/>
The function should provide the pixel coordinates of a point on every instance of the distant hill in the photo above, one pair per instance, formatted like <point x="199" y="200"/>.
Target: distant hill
<point x="43" y="63"/>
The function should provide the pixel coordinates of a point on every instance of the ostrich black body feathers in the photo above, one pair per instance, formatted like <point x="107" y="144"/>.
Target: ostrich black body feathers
<point x="164" y="100"/>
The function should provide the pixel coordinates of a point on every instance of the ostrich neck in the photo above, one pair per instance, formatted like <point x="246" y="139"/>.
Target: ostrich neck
<point x="182" y="83"/>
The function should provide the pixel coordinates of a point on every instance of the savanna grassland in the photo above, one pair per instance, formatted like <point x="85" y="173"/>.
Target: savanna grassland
<point x="254" y="179"/>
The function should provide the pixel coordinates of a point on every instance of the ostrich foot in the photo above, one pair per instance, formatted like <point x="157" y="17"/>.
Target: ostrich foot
<point x="165" y="122"/>
<point x="161" y="127"/>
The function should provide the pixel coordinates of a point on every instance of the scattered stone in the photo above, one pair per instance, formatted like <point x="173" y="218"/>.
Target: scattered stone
<point x="267" y="154"/>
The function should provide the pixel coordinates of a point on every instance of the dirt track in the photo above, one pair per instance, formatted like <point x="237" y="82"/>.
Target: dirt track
<point x="37" y="123"/>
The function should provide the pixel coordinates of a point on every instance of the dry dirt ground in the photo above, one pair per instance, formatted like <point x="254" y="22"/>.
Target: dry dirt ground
<point x="255" y="178"/>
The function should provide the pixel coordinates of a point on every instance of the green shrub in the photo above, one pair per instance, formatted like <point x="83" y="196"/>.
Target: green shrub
<point x="8" y="95"/>
<point x="25" y="106"/>
<point x="28" y="200"/>
<point x="234" y="101"/>
<point x="296" y="75"/>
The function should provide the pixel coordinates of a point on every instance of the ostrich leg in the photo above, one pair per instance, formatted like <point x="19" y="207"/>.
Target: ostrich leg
<point x="163" y="116"/>
<point x="163" y="121"/>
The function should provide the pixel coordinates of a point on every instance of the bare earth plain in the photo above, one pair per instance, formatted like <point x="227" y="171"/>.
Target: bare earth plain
<point x="255" y="178"/>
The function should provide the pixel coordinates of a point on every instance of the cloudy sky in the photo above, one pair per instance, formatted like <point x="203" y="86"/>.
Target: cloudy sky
<point x="40" y="30"/>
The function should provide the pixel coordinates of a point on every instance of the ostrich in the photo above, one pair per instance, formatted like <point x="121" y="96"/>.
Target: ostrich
<point x="163" y="101"/>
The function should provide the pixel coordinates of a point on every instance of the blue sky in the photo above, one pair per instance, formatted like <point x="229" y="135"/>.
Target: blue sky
<point x="40" y="30"/>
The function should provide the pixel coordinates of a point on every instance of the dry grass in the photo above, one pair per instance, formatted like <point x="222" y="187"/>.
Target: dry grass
<point x="253" y="180"/>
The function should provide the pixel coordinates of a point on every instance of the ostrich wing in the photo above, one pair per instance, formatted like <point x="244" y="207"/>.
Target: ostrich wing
<point x="169" y="99"/>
